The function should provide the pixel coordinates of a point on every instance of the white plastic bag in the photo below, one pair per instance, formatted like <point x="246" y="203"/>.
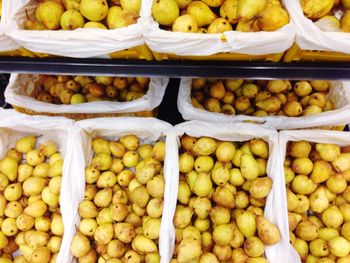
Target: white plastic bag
<point x="21" y="86"/>
<point x="317" y="136"/>
<point x="6" y="43"/>
<point x="339" y="94"/>
<point x="147" y="130"/>
<point x="256" y="43"/>
<point x="311" y="37"/>
<point x="79" y="43"/>
<point x="275" y="209"/>
<point x="14" y="125"/>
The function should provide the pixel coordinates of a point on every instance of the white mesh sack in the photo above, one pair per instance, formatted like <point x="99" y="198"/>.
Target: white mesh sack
<point x="6" y="43"/>
<point x="315" y="136"/>
<point x="339" y="94"/>
<point x="256" y="43"/>
<point x="22" y="86"/>
<point x="13" y="126"/>
<point x="310" y="37"/>
<point x="275" y="209"/>
<point x="148" y="130"/>
<point x="79" y="43"/>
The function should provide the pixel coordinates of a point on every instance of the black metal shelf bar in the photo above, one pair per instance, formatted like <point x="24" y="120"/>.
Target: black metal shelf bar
<point x="216" y="69"/>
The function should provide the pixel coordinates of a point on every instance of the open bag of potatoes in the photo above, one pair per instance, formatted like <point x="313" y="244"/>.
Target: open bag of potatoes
<point x="281" y="104"/>
<point x="85" y="94"/>
<point x="75" y="28"/>
<point x="321" y="25"/>
<point x="120" y="190"/>
<point x="206" y="27"/>
<point x="316" y="171"/>
<point x="228" y="205"/>
<point x="35" y="163"/>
